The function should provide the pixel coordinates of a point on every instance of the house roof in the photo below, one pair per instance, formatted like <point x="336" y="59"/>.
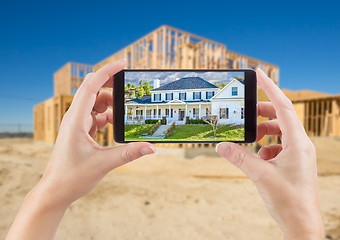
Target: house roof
<point x="226" y="86"/>
<point x="186" y="83"/>
<point x="145" y="99"/>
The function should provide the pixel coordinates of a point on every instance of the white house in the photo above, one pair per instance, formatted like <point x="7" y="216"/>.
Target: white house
<point x="191" y="96"/>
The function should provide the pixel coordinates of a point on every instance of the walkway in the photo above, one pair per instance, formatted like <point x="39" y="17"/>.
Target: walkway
<point x="160" y="132"/>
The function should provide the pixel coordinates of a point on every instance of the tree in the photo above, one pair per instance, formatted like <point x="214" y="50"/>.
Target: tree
<point x="129" y="85"/>
<point x="212" y="120"/>
<point x="147" y="88"/>
<point x="239" y="78"/>
<point x="140" y="93"/>
<point x="132" y="94"/>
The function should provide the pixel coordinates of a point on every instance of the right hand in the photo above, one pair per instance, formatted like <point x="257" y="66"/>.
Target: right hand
<point x="285" y="175"/>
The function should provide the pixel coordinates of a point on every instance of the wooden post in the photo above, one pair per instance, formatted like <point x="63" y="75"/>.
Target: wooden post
<point x="307" y="117"/>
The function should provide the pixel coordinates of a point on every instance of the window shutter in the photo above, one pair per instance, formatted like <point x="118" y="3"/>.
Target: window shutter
<point x="206" y="95"/>
<point x="200" y="95"/>
<point x="154" y="97"/>
<point x="185" y="96"/>
<point x="227" y="113"/>
<point x="172" y="96"/>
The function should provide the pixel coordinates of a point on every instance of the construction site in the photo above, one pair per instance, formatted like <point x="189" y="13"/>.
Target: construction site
<point x="171" y="48"/>
<point x="183" y="191"/>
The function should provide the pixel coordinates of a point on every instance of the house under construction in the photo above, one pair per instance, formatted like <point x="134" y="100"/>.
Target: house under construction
<point x="165" y="47"/>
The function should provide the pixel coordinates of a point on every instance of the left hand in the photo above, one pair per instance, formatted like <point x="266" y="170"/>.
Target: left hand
<point x="78" y="163"/>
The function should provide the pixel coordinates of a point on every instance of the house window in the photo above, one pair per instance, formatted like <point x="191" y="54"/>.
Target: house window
<point x="197" y="95"/>
<point x="195" y="112"/>
<point x="157" y="97"/>
<point x="159" y="112"/>
<point x="172" y="112"/>
<point x="168" y="96"/>
<point x="234" y="91"/>
<point x="154" y="112"/>
<point x="209" y="95"/>
<point x="224" y="113"/>
<point x="182" y="96"/>
<point x="167" y="112"/>
<point x="207" y="112"/>
<point x="139" y="112"/>
<point x="242" y="113"/>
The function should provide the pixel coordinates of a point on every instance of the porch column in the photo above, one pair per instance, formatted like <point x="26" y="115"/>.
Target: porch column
<point x="186" y="109"/>
<point x="169" y="111"/>
<point x="157" y="116"/>
<point x="200" y="111"/>
<point x="145" y="112"/>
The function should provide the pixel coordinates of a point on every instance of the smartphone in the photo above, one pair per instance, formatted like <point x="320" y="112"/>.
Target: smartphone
<point x="184" y="106"/>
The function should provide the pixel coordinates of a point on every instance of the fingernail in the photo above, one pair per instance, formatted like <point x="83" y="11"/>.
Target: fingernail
<point x="148" y="150"/>
<point x="223" y="149"/>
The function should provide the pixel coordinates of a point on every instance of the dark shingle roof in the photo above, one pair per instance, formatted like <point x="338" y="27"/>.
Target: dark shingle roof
<point x="143" y="100"/>
<point x="186" y="83"/>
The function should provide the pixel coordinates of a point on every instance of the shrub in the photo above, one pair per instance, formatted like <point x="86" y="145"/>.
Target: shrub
<point x="170" y="130"/>
<point x="197" y="121"/>
<point x="151" y="121"/>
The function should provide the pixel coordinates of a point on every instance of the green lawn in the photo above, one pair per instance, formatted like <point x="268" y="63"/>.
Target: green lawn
<point x="199" y="132"/>
<point x="135" y="130"/>
<point x="189" y="132"/>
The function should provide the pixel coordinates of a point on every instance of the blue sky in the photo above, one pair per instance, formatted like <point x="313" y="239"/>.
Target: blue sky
<point x="38" y="37"/>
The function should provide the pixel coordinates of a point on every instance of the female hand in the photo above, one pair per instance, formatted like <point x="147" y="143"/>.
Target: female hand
<point x="285" y="175"/>
<point x="77" y="162"/>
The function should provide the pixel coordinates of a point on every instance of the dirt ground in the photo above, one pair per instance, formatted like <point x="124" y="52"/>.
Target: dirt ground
<point x="164" y="196"/>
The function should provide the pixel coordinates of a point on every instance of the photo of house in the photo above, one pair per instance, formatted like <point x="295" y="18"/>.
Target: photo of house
<point x="179" y="101"/>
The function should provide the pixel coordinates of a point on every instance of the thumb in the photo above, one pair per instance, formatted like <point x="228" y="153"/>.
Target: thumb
<point x="251" y="165"/>
<point x="117" y="156"/>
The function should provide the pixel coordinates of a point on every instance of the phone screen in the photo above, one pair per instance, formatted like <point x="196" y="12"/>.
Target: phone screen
<point x="184" y="106"/>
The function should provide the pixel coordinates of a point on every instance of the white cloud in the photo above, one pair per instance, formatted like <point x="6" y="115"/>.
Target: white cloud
<point x="167" y="77"/>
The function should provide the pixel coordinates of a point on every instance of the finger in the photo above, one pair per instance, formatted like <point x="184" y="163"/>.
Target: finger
<point x="85" y="97"/>
<point x="103" y="100"/>
<point x="117" y="156"/>
<point x="291" y="127"/>
<point x="266" y="109"/>
<point x="109" y="83"/>
<point x="268" y="128"/>
<point x="104" y="118"/>
<point x="269" y="152"/>
<point x="252" y="166"/>
<point x="93" y="129"/>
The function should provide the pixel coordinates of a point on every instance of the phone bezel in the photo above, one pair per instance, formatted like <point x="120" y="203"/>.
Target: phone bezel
<point x="250" y="108"/>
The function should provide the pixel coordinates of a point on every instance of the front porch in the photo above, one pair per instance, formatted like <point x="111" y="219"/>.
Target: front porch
<point x="137" y="113"/>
